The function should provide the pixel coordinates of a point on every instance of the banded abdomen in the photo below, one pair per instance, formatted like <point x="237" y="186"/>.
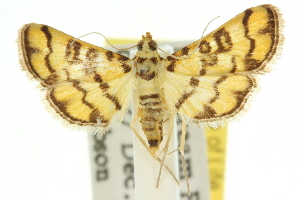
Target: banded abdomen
<point x="151" y="118"/>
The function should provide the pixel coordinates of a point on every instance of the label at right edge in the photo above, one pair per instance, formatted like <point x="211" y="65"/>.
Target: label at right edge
<point x="216" y="152"/>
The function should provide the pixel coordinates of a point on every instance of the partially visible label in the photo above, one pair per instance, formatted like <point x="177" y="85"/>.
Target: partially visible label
<point x="216" y="146"/>
<point x="112" y="167"/>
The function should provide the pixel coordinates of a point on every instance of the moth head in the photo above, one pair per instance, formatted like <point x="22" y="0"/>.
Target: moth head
<point x="147" y="44"/>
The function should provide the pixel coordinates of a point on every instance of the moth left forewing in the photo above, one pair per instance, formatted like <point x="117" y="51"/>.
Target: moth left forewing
<point x="86" y="85"/>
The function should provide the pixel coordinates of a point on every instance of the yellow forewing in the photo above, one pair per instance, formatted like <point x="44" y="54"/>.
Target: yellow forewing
<point x="87" y="85"/>
<point x="244" y="44"/>
<point x="47" y="51"/>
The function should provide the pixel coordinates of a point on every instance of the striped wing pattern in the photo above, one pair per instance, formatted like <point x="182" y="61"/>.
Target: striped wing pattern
<point x="214" y="83"/>
<point x="89" y="85"/>
<point x="86" y="84"/>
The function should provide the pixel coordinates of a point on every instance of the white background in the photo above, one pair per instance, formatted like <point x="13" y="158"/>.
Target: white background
<point x="40" y="159"/>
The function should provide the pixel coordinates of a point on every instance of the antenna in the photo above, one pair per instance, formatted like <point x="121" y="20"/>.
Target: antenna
<point x="104" y="38"/>
<point x="196" y="49"/>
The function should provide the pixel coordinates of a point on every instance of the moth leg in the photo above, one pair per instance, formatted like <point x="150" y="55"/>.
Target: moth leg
<point x="147" y="147"/>
<point x="158" y="154"/>
<point x="182" y="140"/>
<point x="169" y="170"/>
<point x="165" y="149"/>
<point x="181" y="150"/>
<point x="136" y="132"/>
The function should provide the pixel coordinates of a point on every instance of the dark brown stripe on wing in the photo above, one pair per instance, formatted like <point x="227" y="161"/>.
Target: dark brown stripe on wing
<point x="251" y="63"/>
<point x="171" y="67"/>
<point x="61" y="108"/>
<point x="246" y="18"/>
<point x="217" y="83"/>
<point x="95" y="116"/>
<point x="50" y="80"/>
<point x="271" y="24"/>
<point x="208" y="112"/>
<point x="91" y="54"/>
<point x="183" y="98"/>
<point x="202" y="72"/>
<point x="114" y="100"/>
<point x="122" y="58"/>
<point x="204" y="47"/>
<point x="185" y="51"/>
<point x="209" y="60"/>
<point x="72" y="44"/>
<point x="170" y="58"/>
<point x="182" y="52"/>
<point x="28" y="51"/>
<point x="48" y="35"/>
<point x="126" y="68"/>
<point x="104" y="87"/>
<point x="98" y="78"/>
<point x="234" y="66"/>
<point x="223" y="40"/>
<point x="76" y="85"/>
<point x="109" y="55"/>
<point x="272" y="29"/>
<point x="194" y="82"/>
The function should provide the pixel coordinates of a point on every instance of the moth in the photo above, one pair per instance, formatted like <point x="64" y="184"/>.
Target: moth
<point x="207" y="82"/>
